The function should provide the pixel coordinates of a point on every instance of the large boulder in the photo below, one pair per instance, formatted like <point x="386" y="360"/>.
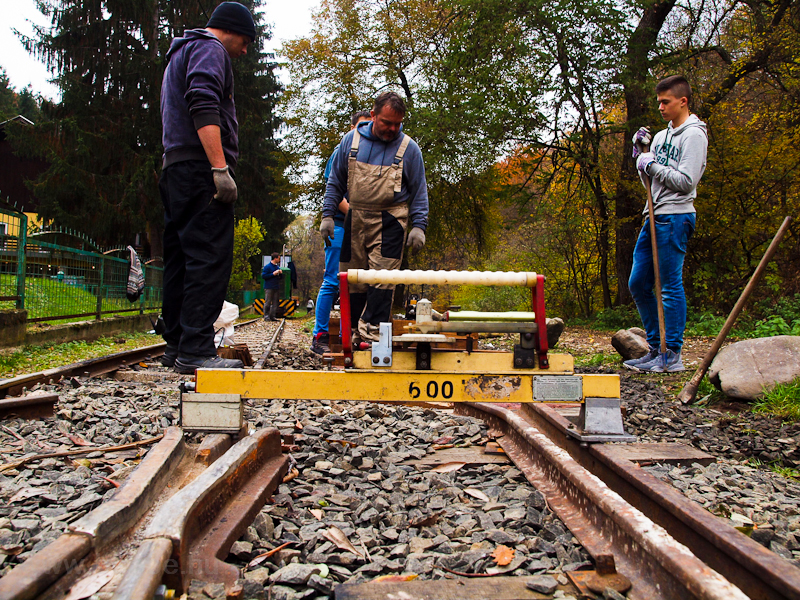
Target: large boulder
<point x="555" y="327"/>
<point x="746" y="369"/>
<point x="630" y="343"/>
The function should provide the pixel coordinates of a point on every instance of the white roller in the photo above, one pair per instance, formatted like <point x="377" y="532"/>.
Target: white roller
<point x="395" y="277"/>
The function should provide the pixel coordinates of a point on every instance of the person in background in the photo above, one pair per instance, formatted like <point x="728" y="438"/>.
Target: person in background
<point x="673" y="168"/>
<point x="382" y="172"/>
<point x="330" y="281"/>
<point x="272" y="283"/>
<point x="201" y="149"/>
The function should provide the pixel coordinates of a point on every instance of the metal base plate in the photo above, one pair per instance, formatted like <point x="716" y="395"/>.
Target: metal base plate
<point x="593" y="438"/>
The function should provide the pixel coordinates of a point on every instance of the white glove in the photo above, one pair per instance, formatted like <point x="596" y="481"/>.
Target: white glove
<point x="326" y="228"/>
<point x="641" y="140"/>
<point x="226" y="186"/>
<point x="645" y="160"/>
<point x="416" y="238"/>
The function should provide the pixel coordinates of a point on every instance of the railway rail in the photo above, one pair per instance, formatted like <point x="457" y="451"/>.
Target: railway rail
<point x="190" y="500"/>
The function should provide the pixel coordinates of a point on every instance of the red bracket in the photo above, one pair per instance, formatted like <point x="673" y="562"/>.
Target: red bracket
<point x="537" y="304"/>
<point x="344" y="319"/>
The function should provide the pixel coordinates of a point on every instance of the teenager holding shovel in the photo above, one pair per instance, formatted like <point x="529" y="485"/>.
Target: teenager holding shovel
<point x="671" y="169"/>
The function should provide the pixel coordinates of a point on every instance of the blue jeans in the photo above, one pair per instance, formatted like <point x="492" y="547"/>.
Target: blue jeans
<point x="672" y="235"/>
<point x="330" y="282"/>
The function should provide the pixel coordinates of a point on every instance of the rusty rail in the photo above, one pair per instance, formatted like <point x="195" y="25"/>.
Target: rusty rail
<point x="759" y="573"/>
<point x="618" y="536"/>
<point x="33" y="406"/>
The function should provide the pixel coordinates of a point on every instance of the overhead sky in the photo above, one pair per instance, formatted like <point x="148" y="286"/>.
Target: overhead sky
<point x="289" y="20"/>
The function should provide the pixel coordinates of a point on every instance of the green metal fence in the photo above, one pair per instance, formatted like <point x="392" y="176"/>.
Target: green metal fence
<point x="13" y="231"/>
<point x="58" y="282"/>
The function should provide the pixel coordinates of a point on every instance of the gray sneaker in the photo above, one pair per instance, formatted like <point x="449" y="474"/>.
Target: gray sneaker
<point x="634" y="363"/>
<point x="187" y="366"/>
<point x="674" y="364"/>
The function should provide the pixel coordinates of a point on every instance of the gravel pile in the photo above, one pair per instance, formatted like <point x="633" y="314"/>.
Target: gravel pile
<point x="354" y="485"/>
<point x="729" y="489"/>
<point x="735" y="435"/>
<point x="38" y="500"/>
<point x="353" y="466"/>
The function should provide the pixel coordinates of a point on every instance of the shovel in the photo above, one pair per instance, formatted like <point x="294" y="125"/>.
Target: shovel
<point x="662" y="333"/>
<point x="689" y="390"/>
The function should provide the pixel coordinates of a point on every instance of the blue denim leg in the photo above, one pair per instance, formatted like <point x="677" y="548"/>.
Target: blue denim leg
<point x="672" y="235"/>
<point x="330" y="282"/>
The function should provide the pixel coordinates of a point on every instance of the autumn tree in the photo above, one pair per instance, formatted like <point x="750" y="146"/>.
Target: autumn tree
<point x="103" y="140"/>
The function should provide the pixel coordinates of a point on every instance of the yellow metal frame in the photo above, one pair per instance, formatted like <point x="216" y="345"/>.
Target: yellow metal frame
<point x="388" y="385"/>
<point x="467" y="362"/>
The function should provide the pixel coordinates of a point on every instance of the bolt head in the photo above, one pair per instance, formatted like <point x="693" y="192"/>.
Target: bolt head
<point x="423" y="364"/>
<point x="386" y="360"/>
<point x="518" y="362"/>
<point x="376" y="360"/>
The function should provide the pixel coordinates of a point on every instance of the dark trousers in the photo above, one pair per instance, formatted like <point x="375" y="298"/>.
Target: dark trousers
<point x="198" y="255"/>
<point x="270" y="303"/>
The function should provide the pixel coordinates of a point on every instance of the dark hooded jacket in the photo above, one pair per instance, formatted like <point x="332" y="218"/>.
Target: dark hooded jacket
<point x="197" y="91"/>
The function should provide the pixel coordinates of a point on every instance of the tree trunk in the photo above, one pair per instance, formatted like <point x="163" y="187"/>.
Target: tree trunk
<point x="628" y="196"/>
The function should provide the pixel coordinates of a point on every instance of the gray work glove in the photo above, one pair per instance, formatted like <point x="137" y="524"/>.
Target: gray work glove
<point x="326" y="228"/>
<point x="641" y="141"/>
<point x="416" y="238"/>
<point x="226" y="186"/>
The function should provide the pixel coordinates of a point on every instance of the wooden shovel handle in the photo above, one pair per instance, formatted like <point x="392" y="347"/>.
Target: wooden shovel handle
<point x="690" y="389"/>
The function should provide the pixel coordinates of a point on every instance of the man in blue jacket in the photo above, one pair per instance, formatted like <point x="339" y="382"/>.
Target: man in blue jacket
<point x="201" y="147"/>
<point x="271" y="273"/>
<point x="381" y="170"/>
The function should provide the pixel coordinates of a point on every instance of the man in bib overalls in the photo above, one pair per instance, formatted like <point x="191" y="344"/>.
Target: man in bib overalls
<point x="381" y="170"/>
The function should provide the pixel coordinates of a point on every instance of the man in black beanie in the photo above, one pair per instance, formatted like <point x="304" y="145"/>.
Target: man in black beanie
<point x="201" y="147"/>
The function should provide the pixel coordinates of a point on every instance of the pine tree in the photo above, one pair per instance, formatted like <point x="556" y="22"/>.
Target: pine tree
<point x="103" y="140"/>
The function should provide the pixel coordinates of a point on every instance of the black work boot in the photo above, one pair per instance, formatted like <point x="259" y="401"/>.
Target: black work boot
<point x="320" y="345"/>
<point x="168" y="358"/>
<point x="186" y="365"/>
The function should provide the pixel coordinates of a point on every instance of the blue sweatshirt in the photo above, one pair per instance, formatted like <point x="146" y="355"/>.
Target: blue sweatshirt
<point x="374" y="151"/>
<point x="197" y="90"/>
<point x="271" y="281"/>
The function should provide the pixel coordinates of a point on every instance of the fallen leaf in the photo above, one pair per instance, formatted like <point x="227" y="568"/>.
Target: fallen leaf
<point x="446" y="439"/>
<point x="317" y="513"/>
<point x="448" y="467"/>
<point x="26" y="493"/>
<point x="83" y="462"/>
<point x="116" y="484"/>
<point x="77" y="440"/>
<point x="339" y="539"/>
<point x="143" y="365"/>
<point x="298" y="425"/>
<point x="265" y="555"/>
<point x="291" y="475"/>
<point x="442" y="446"/>
<point x="476" y="494"/>
<point x="11" y="550"/>
<point x="503" y="555"/>
<point x="342" y="442"/>
<point x="427" y="521"/>
<point x="89" y="585"/>
<point x="394" y="578"/>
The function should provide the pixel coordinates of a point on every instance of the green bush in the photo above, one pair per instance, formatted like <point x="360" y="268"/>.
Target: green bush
<point x="775" y="325"/>
<point x="493" y="298"/>
<point x="619" y="317"/>
<point x="704" y="324"/>
<point x="782" y="401"/>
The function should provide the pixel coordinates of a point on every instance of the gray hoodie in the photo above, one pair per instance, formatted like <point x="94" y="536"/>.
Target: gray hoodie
<point x="680" y="163"/>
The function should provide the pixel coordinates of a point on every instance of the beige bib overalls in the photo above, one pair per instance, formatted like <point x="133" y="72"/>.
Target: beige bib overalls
<point x="374" y="234"/>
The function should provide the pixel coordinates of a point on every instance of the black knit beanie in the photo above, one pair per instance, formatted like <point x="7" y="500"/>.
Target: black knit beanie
<point x="234" y="17"/>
